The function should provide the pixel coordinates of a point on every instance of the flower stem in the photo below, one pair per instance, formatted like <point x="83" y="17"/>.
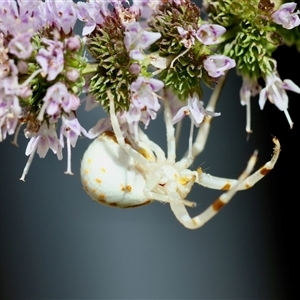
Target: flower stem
<point x="203" y="131"/>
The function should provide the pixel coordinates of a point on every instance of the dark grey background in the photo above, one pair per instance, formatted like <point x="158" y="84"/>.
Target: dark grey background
<point x="57" y="243"/>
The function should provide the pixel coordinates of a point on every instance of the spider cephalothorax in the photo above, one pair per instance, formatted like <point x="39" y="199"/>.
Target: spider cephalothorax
<point x="118" y="173"/>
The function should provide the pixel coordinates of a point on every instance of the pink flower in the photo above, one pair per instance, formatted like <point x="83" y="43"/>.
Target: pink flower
<point x="188" y="36"/>
<point x="275" y="91"/>
<point x="143" y="93"/>
<point x="130" y="121"/>
<point x="136" y="39"/>
<point x="73" y="43"/>
<point x="144" y="97"/>
<point x="146" y="7"/>
<point x="284" y="16"/>
<point x="71" y="129"/>
<point x="41" y="142"/>
<point x="208" y="34"/>
<point x="101" y="126"/>
<point x="91" y="13"/>
<point x="45" y="139"/>
<point x="21" y="45"/>
<point x="62" y="13"/>
<point x="195" y="110"/>
<point x="10" y="111"/>
<point x="52" y="59"/>
<point x="217" y="65"/>
<point x="249" y="88"/>
<point x="57" y="97"/>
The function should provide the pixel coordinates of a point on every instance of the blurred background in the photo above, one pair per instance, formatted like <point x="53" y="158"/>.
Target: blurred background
<point x="57" y="243"/>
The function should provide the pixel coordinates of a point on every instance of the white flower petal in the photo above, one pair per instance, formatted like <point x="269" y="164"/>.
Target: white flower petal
<point x="290" y="85"/>
<point x="262" y="98"/>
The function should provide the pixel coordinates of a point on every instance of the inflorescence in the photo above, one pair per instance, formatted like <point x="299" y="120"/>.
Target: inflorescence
<point x="141" y="52"/>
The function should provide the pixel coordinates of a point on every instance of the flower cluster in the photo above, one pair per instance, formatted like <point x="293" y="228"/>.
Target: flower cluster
<point x="41" y="76"/>
<point x="254" y="31"/>
<point x="143" y="54"/>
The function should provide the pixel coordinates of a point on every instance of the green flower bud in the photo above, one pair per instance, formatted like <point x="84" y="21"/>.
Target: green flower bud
<point x="106" y="45"/>
<point x="185" y="69"/>
<point x="251" y="35"/>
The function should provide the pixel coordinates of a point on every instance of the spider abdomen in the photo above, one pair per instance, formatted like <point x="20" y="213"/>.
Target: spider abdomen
<point x="110" y="176"/>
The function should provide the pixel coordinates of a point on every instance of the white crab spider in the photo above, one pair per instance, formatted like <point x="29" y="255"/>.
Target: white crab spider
<point x="117" y="173"/>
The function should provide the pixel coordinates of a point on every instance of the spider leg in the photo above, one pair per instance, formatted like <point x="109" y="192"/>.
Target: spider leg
<point x="119" y="136"/>
<point x="160" y="154"/>
<point x="220" y="183"/>
<point x="177" y="132"/>
<point x="202" y="135"/>
<point x="183" y="216"/>
<point x="188" y="159"/>
<point x="166" y="199"/>
<point x="170" y="132"/>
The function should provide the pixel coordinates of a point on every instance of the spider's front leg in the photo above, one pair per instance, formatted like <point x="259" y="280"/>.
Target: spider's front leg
<point x="119" y="136"/>
<point x="183" y="216"/>
<point x="220" y="183"/>
<point x="203" y="132"/>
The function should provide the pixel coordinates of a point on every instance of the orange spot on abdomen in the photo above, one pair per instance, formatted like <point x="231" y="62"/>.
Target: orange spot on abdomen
<point x="101" y="198"/>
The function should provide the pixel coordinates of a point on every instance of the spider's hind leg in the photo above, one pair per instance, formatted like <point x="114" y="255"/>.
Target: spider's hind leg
<point x="220" y="183"/>
<point x="183" y="216"/>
